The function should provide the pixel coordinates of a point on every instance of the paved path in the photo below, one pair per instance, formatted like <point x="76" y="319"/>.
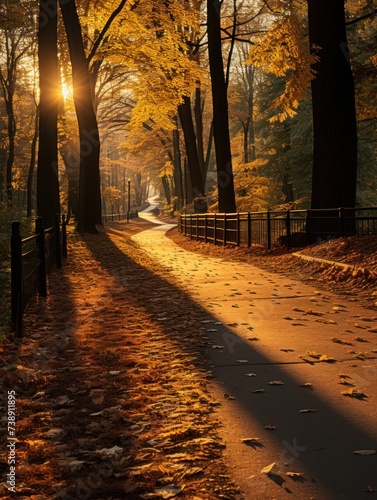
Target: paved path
<point x="266" y="334"/>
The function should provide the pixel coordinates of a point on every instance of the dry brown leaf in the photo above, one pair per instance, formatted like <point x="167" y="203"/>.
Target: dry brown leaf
<point x="270" y="469"/>
<point x="327" y="359"/>
<point x="308" y="385"/>
<point x="295" y="474"/>
<point x="249" y="440"/>
<point x="354" y="393"/>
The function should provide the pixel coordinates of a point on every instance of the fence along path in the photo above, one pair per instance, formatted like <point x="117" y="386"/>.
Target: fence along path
<point x="291" y="228"/>
<point x="32" y="258"/>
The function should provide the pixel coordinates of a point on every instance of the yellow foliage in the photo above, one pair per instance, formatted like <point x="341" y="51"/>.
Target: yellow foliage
<point x="284" y="52"/>
<point x="254" y="192"/>
<point x="167" y="170"/>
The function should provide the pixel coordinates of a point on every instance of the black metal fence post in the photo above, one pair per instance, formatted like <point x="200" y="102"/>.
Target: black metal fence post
<point x="248" y="229"/>
<point x="58" y="250"/>
<point x="40" y="230"/>
<point x="308" y="226"/>
<point x="224" y="230"/>
<point x="205" y="228"/>
<point x="214" y="229"/>
<point x="342" y="214"/>
<point x="288" y="229"/>
<point x="268" y="230"/>
<point x="238" y="235"/>
<point x="16" y="280"/>
<point x="64" y="236"/>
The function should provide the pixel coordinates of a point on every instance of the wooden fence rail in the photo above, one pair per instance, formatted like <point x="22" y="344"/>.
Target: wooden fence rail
<point x="32" y="258"/>
<point x="291" y="228"/>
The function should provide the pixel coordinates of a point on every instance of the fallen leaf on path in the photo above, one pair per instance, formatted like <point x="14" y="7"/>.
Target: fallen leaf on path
<point x="327" y="359"/>
<point x="270" y="427"/>
<point x="250" y="374"/>
<point x="110" y="451"/>
<point x="307" y="410"/>
<point x="276" y="382"/>
<point x="365" y="452"/>
<point x="354" y="393"/>
<point x="270" y="469"/>
<point x="294" y="475"/>
<point x="53" y="433"/>
<point x="249" y="440"/>
<point x="313" y="354"/>
<point x="256" y="391"/>
<point x="308" y="385"/>
<point x="314" y="313"/>
<point x="165" y="492"/>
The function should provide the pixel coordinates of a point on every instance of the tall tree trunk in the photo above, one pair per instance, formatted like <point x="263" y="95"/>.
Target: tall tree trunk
<point x="334" y="116"/>
<point x="225" y="182"/>
<point x="89" y="179"/>
<point x="166" y="186"/>
<point x="246" y="135"/>
<point x="185" y="116"/>
<point x="11" y="147"/>
<point x="48" y="203"/>
<point x="30" y="177"/>
<point x="177" y="167"/>
<point x="199" y="131"/>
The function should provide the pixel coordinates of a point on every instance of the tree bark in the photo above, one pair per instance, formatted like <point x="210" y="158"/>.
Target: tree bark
<point x="199" y="131"/>
<point x="334" y="116"/>
<point x="89" y="210"/>
<point x="225" y="182"/>
<point x="185" y="116"/>
<point x="48" y="202"/>
<point x="30" y="177"/>
<point x="177" y="167"/>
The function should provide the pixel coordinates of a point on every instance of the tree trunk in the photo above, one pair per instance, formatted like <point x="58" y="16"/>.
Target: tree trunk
<point x="185" y="116"/>
<point x="89" y="210"/>
<point x="30" y="177"/>
<point x="11" y="147"/>
<point x="165" y="185"/>
<point x="334" y="116"/>
<point x="225" y="183"/>
<point x="199" y="131"/>
<point x="48" y="202"/>
<point x="177" y="168"/>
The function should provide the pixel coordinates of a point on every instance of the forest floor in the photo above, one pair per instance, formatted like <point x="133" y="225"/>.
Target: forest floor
<point x="112" y="400"/>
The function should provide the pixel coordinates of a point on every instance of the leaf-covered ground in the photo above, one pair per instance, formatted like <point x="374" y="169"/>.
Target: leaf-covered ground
<point x="358" y="282"/>
<point x="110" y="384"/>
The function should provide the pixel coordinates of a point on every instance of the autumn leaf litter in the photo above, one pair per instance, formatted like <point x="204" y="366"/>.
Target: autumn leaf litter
<point x="111" y="401"/>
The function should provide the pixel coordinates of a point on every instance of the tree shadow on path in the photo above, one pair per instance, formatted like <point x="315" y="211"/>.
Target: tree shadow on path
<point x="322" y="441"/>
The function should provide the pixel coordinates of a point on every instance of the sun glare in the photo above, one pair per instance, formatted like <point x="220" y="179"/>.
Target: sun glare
<point x="66" y="91"/>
